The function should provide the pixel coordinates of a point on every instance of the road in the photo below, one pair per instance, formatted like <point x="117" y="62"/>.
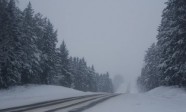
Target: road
<point x="73" y="104"/>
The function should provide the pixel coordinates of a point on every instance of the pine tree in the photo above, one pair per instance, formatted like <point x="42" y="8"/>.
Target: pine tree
<point x="72" y="70"/>
<point x="92" y="79"/>
<point x="104" y="83"/>
<point x="39" y="30"/>
<point x="165" y="63"/>
<point x="30" y="56"/>
<point x="172" y="42"/>
<point x="74" y="65"/>
<point x="81" y="76"/>
<point x="150" y="75"/>
<point x="48" y="54"/>
<point x="3" y="16"/>
<point x="10" y="44"/>
<point x="64" y="75"/>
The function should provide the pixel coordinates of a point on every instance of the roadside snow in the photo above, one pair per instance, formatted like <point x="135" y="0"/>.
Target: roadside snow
<point x="161" y="99"/>
<point x="22" y="95"/>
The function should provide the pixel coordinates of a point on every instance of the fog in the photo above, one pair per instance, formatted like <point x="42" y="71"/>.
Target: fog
<point x="113" y="35"/>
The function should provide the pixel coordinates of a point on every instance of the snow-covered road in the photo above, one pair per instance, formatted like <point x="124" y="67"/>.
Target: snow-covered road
<point x="162" y="99"/>
<point x="46" y="98"/>
<point x="62" y="105"/>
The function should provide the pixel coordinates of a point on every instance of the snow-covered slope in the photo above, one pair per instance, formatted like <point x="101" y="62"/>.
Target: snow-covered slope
<point x="161" y="99"/>
<point x="21" y="95"/>
<point x="168" y="92"/>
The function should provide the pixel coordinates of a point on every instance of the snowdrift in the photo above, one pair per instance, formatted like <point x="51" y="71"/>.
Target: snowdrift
<point x="22" y="95"/>
<point x="168" y="92"/>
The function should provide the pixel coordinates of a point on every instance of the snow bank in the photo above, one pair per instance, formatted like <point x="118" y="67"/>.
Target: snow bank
<point x="168" y="92"/>
<point x="22" y="95"/>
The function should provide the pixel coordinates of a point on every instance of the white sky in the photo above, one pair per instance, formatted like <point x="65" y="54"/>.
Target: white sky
<point x="113" y="35"/>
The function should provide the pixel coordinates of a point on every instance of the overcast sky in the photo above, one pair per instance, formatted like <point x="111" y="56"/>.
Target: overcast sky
<point x="113" y="35"/>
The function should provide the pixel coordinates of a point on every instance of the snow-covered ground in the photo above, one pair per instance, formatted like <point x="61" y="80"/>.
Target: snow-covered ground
<point x="22" y="95"/>
<point x="161" y="99"/>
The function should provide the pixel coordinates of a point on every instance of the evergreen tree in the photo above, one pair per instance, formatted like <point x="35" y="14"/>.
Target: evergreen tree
<point x="30" y="56"/>
<point x="104" y="83"/>
<point x="150" y="75"/>
<point x="64" y="75"/>
<point x="172" y="42"/>
<point x="3" y="41"/>
<point x="92" y="79"/>
<point x="80" y="77"/>
<point x="10" y="44"/>
<point x="40" y="24"/>
<point x="74" y="64"/>
<point x="165" y="62"/>
<point x="85" y="78"/>
<point x="48" y="54"/>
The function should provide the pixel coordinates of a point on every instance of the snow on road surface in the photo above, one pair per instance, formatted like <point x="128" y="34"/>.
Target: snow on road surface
<point x="161" y="99"/>
<point x="23" y="95"/>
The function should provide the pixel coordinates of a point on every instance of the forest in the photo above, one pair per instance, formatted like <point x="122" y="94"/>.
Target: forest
<point x="165" y="60"/>
<point x="28" y="54"/>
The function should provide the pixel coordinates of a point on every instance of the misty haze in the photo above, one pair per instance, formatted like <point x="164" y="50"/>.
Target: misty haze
<point x="92" y="55"/>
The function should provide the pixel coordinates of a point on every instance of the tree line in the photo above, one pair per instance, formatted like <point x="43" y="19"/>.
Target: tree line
<point x="28" y="54"/>
<point x="165" y="60"/>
